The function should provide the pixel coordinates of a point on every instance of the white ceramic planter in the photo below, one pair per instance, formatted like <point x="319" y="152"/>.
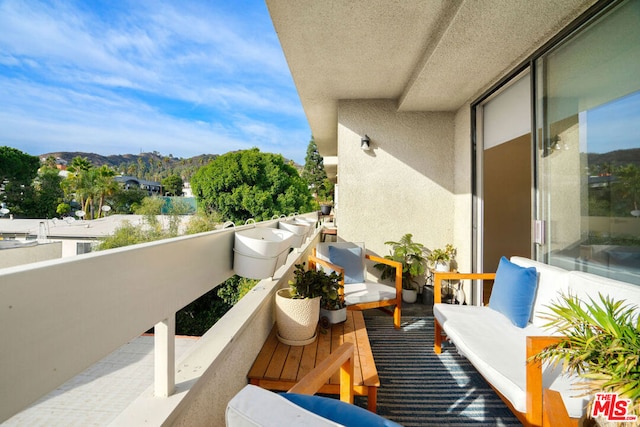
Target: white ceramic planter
<point x="262" y="241"/>
<point x="297" y="319"/>
<point x="442" y="266"/>
<point x="298" y="229"/>
<point x="334" y="316"/>
<point x="259" y="252"/>
<point x="256" y="266"/>
<point x="409" y="295"/>
<point x="307" y="221"/>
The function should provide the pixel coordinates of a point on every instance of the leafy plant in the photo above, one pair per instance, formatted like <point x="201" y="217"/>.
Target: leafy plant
<point x="331" y="298"/>
<point x="250" y="184"/>
<point x="601" y="344"/>
<point x="316" y="283"/>
<point x="445" y="254"/>
<point x="412" y="256"/>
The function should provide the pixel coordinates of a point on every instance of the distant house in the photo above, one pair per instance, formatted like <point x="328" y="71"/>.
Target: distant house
<point x="154" y="188"/>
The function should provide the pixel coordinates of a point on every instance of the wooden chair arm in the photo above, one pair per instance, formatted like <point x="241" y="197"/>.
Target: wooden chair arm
<point x="313" y="260"/>
<point x="396" y="264"/>
<point x="341" y="359"/>
<point x="554" y="412"/>
<point x="439" y="276"/>
<point x="534" y="377"/>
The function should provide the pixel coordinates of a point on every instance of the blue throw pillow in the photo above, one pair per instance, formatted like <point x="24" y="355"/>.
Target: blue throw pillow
<point x="338" y="411"/>
<point x="351" y="260"/>
<point x="514" y="290"/>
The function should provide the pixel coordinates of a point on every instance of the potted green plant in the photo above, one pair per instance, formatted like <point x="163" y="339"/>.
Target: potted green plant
<point x="332" y="306"/>
<point x="325" y="206"/>
<point x="439" y="259"/>
<point x="600" y="343"/>
<point x="298" y="306"/>
<point x="412" y="256"/>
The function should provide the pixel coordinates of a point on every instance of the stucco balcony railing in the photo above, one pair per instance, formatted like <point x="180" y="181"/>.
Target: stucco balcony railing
<point x="60" y="317"/>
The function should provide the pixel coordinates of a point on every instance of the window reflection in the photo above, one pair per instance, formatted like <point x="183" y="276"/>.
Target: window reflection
<point x="588" y="169"/>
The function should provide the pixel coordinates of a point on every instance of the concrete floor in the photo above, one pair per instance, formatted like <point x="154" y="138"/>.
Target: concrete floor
<point x="98" y="395"/>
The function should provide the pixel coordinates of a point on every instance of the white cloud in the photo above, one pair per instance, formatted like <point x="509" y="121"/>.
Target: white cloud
<point x="186" y="78"/>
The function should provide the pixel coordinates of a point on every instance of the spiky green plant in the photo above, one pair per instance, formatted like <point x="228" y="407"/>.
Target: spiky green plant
<point x="601" y="344"/>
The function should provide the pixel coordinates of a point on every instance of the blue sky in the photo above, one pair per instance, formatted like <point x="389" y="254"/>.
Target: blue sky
<point x="116" y="77"/>
<point x="614" y="125"/>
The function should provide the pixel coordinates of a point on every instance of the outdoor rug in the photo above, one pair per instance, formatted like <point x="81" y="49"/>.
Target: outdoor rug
<point x="421" y="388"/>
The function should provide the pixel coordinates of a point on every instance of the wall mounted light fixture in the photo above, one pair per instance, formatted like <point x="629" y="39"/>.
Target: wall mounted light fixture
<point x="550" y="145"/>
<point x="364" y="143"/>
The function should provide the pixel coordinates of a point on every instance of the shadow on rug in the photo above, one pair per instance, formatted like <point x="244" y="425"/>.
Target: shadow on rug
<point x="421" y="388"/>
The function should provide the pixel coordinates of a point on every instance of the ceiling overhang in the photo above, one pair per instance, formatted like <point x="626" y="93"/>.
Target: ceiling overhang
<point x="428" y="55"/>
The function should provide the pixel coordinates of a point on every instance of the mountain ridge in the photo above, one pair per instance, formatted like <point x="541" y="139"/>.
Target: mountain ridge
<point x="152" y="166"/>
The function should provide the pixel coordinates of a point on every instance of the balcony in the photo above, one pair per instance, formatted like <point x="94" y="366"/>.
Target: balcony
<point x="62" y="317"/>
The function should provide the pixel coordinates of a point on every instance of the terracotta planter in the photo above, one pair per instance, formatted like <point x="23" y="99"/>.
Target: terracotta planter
<point x="297" y="319"/>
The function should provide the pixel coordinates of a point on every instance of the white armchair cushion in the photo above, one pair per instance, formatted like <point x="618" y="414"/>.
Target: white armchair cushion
<point x="358" y="293"/>
<point x="254" y="406"/>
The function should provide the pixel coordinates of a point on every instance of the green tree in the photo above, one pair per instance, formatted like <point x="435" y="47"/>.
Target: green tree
<point x="202" y="222"/>
<point x="123" y="201"/>
<point x="105" y="185"/>
<point x="151" y="208"/>
<point x="48" y="192"/>
<point x="90" y="185"/>
<point x="250" y="184"/>
<point x="17" y="172"/>
<point x="313" y="171"/>
<point x="628" y="187"/>
<point x="78" y="183"/>
<point x="199" y="316"/>
<point x="17" y="166"/>
<point x="63" y="209"/>
<point x="172" y="185"/>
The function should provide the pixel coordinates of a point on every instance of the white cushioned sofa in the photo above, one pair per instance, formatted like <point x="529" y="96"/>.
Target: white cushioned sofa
<point x="499" y="349"/>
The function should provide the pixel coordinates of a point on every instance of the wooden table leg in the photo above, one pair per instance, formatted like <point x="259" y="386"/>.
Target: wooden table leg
<point x="372" y="399"/>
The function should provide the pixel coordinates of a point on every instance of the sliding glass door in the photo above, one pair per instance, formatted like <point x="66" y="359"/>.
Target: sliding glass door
<point x="588" y="148"/>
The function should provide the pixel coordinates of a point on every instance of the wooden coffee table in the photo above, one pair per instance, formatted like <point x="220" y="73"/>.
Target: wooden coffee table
<point x="279" y="366"/>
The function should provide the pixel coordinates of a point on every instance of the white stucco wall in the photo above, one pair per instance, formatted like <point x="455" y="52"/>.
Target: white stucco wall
<point x="29" y="254"/>
<point x="463" y="180"/>
<point x="404" y="184"/>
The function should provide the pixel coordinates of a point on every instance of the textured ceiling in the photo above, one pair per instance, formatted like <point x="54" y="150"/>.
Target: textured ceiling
<point x="428" y="55"/>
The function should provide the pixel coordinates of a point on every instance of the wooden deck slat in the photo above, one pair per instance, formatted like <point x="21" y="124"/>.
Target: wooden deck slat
<point x="264" y="357"/>
<point x="292" y="364"/>
<point x="274" y="370"/>
<point x="279" y="366"/>
<point x="308" y="361"/>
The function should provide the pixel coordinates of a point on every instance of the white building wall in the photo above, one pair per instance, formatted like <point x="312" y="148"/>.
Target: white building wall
<point x="404" y="184"/>
<point x="29" y="254"/>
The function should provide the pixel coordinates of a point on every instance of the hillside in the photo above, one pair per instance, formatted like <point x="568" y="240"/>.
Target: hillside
<point x="616" y="158"/>
<point x="151" y="166"/>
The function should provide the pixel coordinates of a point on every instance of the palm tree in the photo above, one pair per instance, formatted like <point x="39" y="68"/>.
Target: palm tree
<point x="105" y="185"/>
<point x="76" y="182"/>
